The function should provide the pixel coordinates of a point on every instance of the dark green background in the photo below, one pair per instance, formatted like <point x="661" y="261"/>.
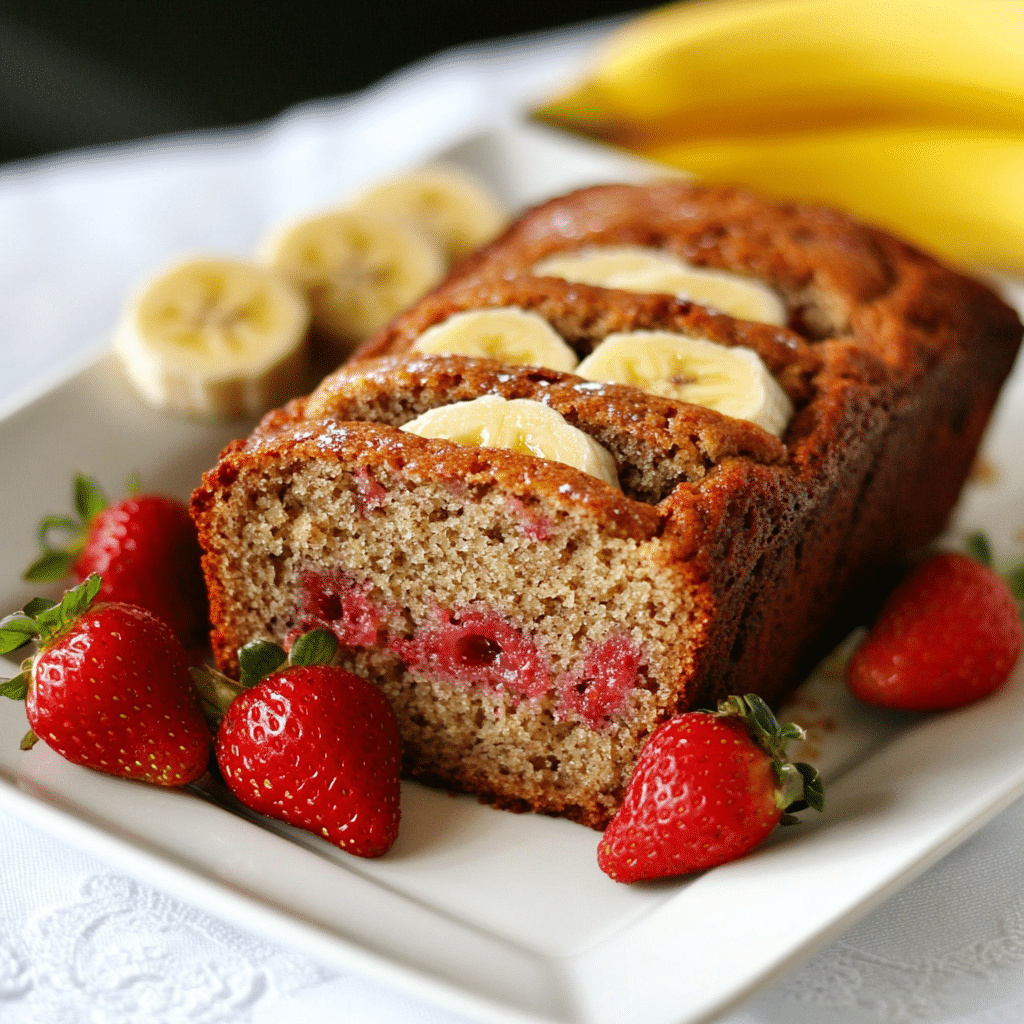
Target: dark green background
<point x="75" y="74"/>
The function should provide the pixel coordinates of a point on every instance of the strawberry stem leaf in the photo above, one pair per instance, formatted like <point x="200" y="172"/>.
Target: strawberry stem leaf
<point x="29" y="740"/>
<point x="216" y="693"/>
<point x="257" y="659"/>
<point x="76" y="600"/>
<point x="133" y="484"/>
<point x="1015" y="580"/>
<point x="16" y="688"/>
<point x="979" y="548"/>
<point x="37" y="605"/>
<point x="814" y="788"/>
<point x="58" y="559"/>
<point x="49" y="567"/>
<point x="790" y="790"/>
<point x="16" y="631"/>
<point x="790" y="731"/>
<point x="54" y="620"/>
<point x="317" y="647"/>
<point x="65" y="524"/>
<point x="90" y="499"/>
<point x="800" y="784"/>
<point x="763" y="725"/>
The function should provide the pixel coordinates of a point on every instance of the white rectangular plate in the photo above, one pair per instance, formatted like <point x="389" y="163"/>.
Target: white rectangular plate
<point x="498" y="916"/>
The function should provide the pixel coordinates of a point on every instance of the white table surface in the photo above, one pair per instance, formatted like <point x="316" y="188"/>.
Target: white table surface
<point x="82" y="942"/>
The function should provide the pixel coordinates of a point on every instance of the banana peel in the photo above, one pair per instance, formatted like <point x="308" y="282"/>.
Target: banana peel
<point x="910" y="115"/>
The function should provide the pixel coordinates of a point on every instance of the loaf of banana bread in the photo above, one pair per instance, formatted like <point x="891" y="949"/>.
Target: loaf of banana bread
<point x="531" y="623"/>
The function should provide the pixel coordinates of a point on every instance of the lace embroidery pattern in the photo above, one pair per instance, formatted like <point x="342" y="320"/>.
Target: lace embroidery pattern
<point x="905" y="991"/>
<point x="132" y="954"/>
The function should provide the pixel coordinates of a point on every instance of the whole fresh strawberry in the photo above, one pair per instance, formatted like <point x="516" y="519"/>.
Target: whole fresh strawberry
<point x="311" y="744"/>
<point x="707" y="788"/>
<point x="948" y="634"/>
<point x="108" y="688"/>
<point x="145" y="547"/>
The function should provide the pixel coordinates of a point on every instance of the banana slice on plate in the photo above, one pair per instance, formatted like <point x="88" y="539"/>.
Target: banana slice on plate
<point x="638" y="269"/>
<point x="449" y="205"/>
<point x="733" y="381"/>
<point x="212" y="338"/>
<point x="521" y="425"/>
<point x="356" y="270"/>
<point x="509" y="334"/>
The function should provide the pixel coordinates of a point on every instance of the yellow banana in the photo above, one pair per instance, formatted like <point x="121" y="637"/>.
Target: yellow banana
<point x="958" y="195"/>
<point x="908" y="114"/>
<point x="718" y="68"/>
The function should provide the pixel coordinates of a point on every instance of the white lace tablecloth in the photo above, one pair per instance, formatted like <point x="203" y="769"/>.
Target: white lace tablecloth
<point x="80" y="942"/>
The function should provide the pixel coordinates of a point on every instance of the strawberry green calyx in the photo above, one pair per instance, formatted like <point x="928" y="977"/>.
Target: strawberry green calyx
<point x="257" y="660"/>
<point x="17" y="687"/>
<point x="800" y="784"/>
<point x="978" y="546"/>
<point x="57" y="561"/>
<point x="216" y="691"/>
<point x="45" y="621"/>
<point x="133" y="484"/>
<point x="1015" y="581"/>
<point x="316" y="647"/>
